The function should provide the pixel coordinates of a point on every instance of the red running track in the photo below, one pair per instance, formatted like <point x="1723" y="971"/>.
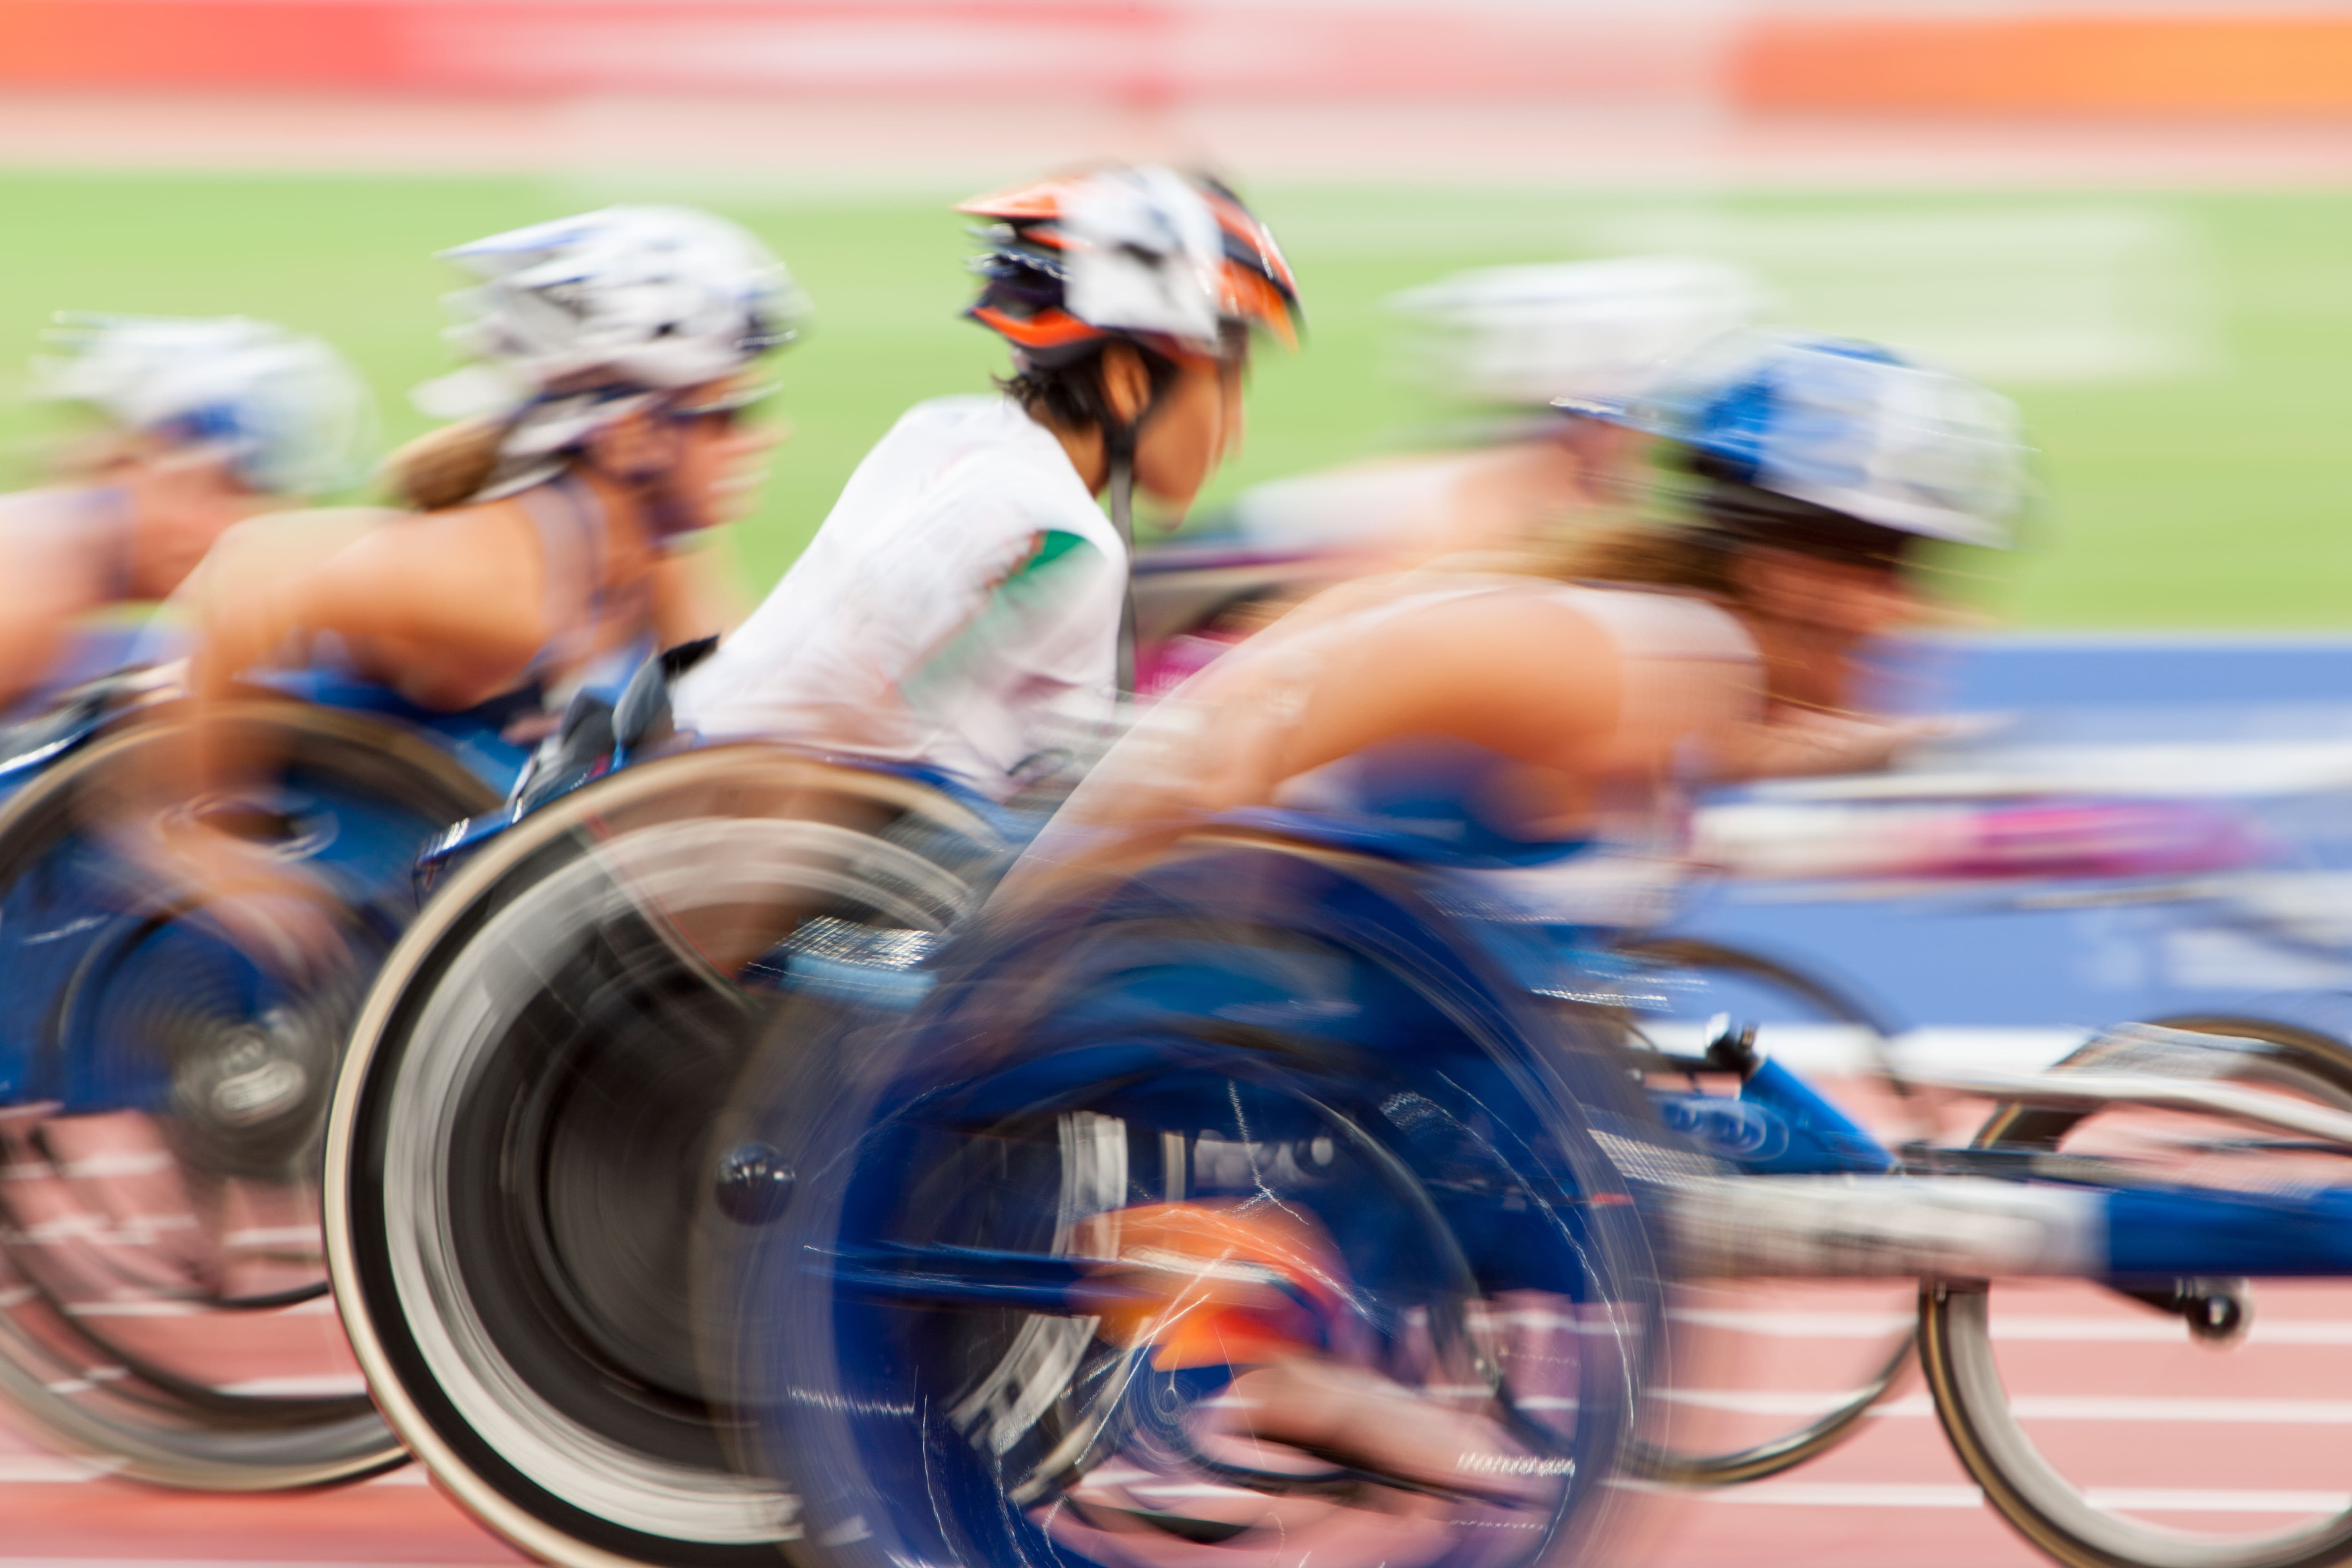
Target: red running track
<point x="55" y="1512"/>
<point x="2248" y="1437"/>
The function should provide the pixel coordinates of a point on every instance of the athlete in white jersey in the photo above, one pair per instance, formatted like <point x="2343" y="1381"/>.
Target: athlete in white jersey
<point x="963" y="595"/>
<point x="961" y="608"/>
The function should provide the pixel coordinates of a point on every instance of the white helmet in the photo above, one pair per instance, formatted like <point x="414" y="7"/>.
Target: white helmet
<point x="581" y="321"/>
<point x="288" y="412"/>
<point x="647" y="297"/>
<point x="1579" y="332"/>
<point x="1143" y="253"/>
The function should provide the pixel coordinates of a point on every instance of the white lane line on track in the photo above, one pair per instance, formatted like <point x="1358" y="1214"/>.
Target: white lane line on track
<point x="40" y="1469"/>
<point x="61" y="1470"/>
<point x="409" y="1475"/>
<point x="1795" y="1325"/>
<point x="147" y="1163"/>
<point x="2068" y="1329"/>
<point x="325" y="1385"/>
<point x="1895" y="1494"/>
<point x="171" y="1306"/>
<point x="1852" y="1494"/>
<point x="2154" y="1330"/>
<point x="2033" y="1406"/>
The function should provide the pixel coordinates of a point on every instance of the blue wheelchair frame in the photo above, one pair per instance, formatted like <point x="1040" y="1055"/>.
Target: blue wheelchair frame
<point x="1778" y="1125"/>
<point x="364" y="847"/>
<point x="1774" y="1127"/>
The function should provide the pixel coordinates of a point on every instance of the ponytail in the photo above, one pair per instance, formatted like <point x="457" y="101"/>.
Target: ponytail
<point x="444" y="468"/>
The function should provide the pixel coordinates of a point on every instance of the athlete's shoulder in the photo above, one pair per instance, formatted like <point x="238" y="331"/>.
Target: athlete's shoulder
<point x="56" y="515"/>
<point x="965" y="414"/>
<point x="1011" y="466"/>
<point x="1659" y="622"/>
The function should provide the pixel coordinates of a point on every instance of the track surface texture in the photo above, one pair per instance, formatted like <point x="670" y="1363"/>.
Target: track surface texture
<point x="62" y="1511"/>
<point x="2245" y="1432"/>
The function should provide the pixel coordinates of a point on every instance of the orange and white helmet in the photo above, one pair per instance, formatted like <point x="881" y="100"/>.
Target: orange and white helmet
<point x="1173" y="261"/>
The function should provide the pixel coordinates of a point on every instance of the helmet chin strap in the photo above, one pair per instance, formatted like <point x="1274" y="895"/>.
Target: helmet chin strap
<point x="653" y="487"/>
<point x="1118" y="446"/>
<point x="670" y="513"/>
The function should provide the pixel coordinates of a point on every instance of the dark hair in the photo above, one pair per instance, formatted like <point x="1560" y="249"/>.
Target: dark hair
<point x="1745" y="514"/>
<point x="1725" y="517"/>
<point x="1070" y="395"/>
<point x="1639" y="554"/>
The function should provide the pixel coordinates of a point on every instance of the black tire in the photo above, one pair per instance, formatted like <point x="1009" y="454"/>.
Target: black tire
<point x="2301" y="1055"/>
<point x="522" y="1163"/>
<point x="1881" y="1367"/>
<point x="145" y="1374"/>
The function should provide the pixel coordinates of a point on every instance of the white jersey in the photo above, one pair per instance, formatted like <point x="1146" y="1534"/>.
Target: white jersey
<point x="959" y="607"/>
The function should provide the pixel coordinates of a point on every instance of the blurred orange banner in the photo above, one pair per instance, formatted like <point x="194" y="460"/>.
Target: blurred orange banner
<point x="2105" y="65"/>
<point x="1770" y="59"/>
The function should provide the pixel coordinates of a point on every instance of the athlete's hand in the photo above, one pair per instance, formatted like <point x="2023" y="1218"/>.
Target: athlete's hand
<point x="1356" y="1417"/>
<point x="276" y="912"/>
<point x="1803" y="741"/>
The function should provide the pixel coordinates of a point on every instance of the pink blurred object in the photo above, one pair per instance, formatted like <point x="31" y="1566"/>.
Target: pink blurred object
<point x="1164" y="665"/>
<point x="2044" y="838"/>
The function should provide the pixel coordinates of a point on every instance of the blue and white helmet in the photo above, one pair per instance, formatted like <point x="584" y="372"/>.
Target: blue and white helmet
<point x="1851" y="427"/>
<point x="288" y="412"/>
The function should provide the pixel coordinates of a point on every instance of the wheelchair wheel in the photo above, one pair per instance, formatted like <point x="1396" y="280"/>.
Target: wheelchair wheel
<point x="1765" y="1373"/>
<point x="2162" y="1423"/>
<point x="164" y="1100"/>
<point x="1241" y="1207"/>
<point x="522" y="1158"/>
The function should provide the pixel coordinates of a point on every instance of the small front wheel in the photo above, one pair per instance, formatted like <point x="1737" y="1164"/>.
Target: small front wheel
<point x="1766" y="1374"/>
<point x="2162" y="1423"/>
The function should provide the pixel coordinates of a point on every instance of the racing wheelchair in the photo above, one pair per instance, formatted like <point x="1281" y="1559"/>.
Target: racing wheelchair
<point x="163" y="1094"/>
<point x="543" y="1145"/>
<point x="1253" y="1202"/>
<point x="528" y="1157"/>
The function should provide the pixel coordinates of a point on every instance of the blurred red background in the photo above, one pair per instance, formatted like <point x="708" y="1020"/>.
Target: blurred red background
<point x="2017" y="58"/>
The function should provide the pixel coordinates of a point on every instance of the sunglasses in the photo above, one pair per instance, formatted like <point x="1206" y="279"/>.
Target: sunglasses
<point x="729" y="409"/>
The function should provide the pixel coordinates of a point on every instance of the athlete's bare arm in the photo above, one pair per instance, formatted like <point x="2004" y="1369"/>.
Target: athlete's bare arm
<point x="693" y="597"/>
<point x="41" y="594"/>
<point x="446" y="608"/>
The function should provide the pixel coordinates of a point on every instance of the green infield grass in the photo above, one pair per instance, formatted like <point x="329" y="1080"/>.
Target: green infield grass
<point x="2184" y="363"/>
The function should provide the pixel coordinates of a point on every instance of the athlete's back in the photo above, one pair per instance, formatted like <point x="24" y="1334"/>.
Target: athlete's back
<point x="952" y="610"/>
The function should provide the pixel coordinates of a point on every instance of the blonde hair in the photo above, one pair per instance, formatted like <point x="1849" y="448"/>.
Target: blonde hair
<point x="444" y="468"/>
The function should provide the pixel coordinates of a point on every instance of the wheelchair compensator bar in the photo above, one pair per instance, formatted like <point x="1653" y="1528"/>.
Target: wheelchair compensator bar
<point x="1983" y="1227"/>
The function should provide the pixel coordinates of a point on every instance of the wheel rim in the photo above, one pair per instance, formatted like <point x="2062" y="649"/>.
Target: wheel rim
<point x="174" y="1066"/>
<point x="508" y="1425"/>
<point x="2017" y="1435"/>
<point x="995" y="1413"/>
<point x="1113" y="1444"/>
